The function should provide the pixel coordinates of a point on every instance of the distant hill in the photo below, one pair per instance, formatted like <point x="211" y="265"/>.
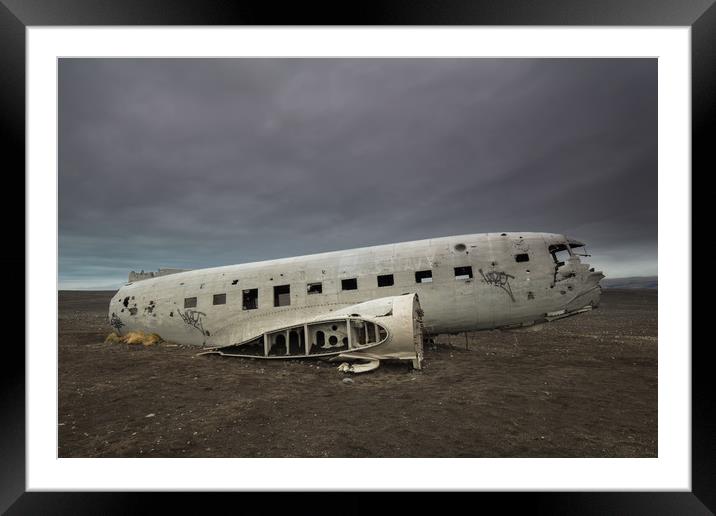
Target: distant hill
<point x="633" y="282"/>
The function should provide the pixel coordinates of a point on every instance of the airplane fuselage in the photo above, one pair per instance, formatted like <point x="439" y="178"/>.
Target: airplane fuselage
<point x="467" y="282"/>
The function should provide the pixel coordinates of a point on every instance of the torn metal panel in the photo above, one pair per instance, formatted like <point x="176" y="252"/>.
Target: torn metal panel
<point x="563" y="313"/>
<point x="360" y="367"/>
<point x="139" y="276"/>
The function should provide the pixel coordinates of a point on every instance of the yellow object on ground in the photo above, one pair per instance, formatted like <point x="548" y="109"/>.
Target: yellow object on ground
<point x="134" y="337"/>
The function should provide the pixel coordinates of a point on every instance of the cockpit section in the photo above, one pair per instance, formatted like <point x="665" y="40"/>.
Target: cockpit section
<point x="578" y="281"/>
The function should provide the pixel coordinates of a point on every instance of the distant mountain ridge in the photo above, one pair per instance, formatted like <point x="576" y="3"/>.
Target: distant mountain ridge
<point x="631" y="282"/>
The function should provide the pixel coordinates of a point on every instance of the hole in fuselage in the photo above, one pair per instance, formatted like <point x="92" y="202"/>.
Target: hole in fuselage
<point x="295" y="343"/>
<point x="279" y="346"/>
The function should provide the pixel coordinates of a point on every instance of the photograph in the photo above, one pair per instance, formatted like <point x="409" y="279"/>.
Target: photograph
<point x="350" y="257"/>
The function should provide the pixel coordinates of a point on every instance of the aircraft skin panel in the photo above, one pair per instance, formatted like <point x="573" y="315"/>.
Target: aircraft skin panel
<point x="462" y="283"/>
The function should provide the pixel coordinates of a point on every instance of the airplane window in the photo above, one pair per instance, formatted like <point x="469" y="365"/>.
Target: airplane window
<point x="219" y="299"/>
<point x="560" y="253"/>
<point x="314" y="288"/>
<point x="423" y="276"/>
<point x="385" y="280"/>
<point x="189" y="302"/>
<point x="282" y="295"/>
<point x="524" y="257"/>
<point x="463" y="273"/>
<point x="349" y="284"/>
<point x="250" y="299"/>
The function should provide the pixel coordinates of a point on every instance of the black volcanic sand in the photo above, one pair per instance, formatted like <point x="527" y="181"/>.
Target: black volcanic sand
<point x="582" y="387"/>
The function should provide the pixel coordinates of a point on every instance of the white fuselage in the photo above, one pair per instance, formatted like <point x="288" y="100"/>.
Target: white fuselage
<point x="516" y="281"/>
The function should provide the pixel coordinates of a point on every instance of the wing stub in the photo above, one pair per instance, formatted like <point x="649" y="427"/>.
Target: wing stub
<point x="386" y="328"/>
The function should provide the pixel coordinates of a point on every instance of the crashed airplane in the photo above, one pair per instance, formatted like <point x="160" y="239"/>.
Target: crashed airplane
<point x="367" y="304"/>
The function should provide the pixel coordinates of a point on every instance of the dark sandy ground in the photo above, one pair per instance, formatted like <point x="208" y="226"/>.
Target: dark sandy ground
<point x="583" y="387"/>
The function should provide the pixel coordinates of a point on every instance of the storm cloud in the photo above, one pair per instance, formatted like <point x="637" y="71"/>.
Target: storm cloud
<point x="202" y="162"/>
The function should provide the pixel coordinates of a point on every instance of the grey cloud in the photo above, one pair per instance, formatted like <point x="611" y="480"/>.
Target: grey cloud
<point x="192" y="163"/>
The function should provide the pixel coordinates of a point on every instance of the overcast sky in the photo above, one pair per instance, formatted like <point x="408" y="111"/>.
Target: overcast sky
<point x="198" y="163"/>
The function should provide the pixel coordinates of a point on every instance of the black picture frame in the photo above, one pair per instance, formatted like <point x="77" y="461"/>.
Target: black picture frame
<point x="17" y="15"/>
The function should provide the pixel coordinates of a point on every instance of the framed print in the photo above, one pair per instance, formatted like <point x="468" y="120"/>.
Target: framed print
<point x="158" y="142"/>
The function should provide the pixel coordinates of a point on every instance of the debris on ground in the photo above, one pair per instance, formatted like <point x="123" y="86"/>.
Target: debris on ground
<point x="134" y="337"/>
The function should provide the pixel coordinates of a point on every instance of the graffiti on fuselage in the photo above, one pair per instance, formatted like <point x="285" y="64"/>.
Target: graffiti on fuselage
<point x="194" y="319"/>
<point x="498" y="279"/>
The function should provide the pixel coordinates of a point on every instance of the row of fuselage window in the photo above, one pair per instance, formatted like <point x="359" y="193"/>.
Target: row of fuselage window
<point x="282" y="293"/>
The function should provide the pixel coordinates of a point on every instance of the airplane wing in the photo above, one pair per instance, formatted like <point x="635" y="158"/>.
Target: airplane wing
<point x="379" y="329"/>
